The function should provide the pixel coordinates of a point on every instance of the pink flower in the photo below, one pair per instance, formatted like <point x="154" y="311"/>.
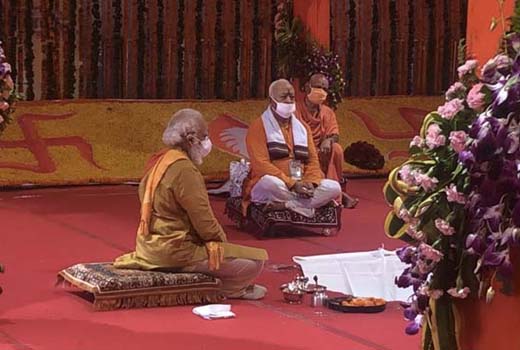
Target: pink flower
<point x="1" y="119"/>
<point x="434" y="138"/>
<point x="453" y="195"/>
<point x="404" y="215"/>
<point x="417" y="235"/>
<point x="458" y="140"/>
<point x="417" y="142"/>
<point x="455" y="90"/>
<point x="467" y="67"/>
<point x="407" y="217"/>
<point x="432" y="293"/>
<point x="435" y="294"/>
<point x="426" y="182"/>
<point x="451" y="108"/>
<point x="458" y="293"/>
<point x="4" y="106"/>
<point x="424" y="267"/>
<point x="407" y="175"/>
<point x="430" y="253"/>
<point x="444" y="227"/>
<point x="5" y="68"/>
<point x="476" y="98"/>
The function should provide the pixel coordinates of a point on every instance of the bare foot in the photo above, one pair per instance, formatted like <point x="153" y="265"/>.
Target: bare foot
<point x="349" y="202"/>
<point x="276" y="206"/>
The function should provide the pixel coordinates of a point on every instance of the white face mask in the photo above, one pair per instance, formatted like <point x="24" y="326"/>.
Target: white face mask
<point x="285" y="110"/>
<point x="205" y="147"/>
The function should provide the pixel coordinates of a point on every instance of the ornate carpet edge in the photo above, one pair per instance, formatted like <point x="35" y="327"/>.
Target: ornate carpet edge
<point x="172" y="298"/>
<point x="64" y="276"/>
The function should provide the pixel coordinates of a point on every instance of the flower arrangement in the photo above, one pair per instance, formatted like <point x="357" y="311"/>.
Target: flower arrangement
<point x="7" y="94"/>
<point x="299" y="56"/>
<point x="456" y="200"/>
<point x="326" y="62"/>
<point x="364" y="156"/>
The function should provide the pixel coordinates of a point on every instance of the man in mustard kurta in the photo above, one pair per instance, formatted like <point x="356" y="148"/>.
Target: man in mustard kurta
<point x="285" y="169"/>
<point x="178" y="230"/>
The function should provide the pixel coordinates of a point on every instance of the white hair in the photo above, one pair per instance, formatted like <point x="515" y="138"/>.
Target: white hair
<point x="184" y="122"/>
<point x="274" y="83"/>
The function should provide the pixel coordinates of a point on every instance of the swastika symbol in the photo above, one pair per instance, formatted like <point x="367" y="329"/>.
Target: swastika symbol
<point x="38" y="145"/>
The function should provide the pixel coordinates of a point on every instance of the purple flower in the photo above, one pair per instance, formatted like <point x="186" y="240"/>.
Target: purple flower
<point x="406" y="279"/>
<point x="475" y="244"/>
<point x="506" y="94"/>
<point x="406" y="254"/>
<point x="496" y="67"/>
<point x="466" y="158"/>
<point x="413" y="328"/>
<point x="451" y="108"/>
<point x="506" y="268"/>
<point x="410" y="313"/>
<point x="513" y="43"/>
<point x="492" y="258"/>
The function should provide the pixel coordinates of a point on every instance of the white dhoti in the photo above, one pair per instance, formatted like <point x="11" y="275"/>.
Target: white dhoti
<point x="271" y="189"/>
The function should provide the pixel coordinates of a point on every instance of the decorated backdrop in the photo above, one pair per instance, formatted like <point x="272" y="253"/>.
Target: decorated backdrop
<point x="86" y="141"/>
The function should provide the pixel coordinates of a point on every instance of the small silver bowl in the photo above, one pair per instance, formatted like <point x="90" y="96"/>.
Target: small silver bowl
<point x="293" y="296"/>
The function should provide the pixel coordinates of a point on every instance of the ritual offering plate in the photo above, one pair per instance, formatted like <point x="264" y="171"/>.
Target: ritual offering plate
<point x="351" y="304"/>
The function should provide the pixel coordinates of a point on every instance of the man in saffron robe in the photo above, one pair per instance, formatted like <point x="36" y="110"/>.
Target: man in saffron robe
<point x="325" y="131"/>
<point x="178" y="230"/>
<point x="285" y="170"/>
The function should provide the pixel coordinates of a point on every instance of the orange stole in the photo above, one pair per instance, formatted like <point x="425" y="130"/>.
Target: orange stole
<point x="156" y="174"/>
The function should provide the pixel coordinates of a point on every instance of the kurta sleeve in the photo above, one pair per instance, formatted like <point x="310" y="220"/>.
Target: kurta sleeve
<point x="312" y="171"/>
<point x="190" y="192"/>
<point x="259" y="155"/>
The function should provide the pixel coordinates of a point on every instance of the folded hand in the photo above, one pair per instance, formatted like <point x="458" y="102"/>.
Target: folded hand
<point x="215" y="252"/>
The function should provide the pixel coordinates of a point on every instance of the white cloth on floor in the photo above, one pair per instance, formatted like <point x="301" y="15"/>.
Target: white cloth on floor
<point x="272" y="189"/>
<point x="362" y="274"/>
<point x="214" y="311"/>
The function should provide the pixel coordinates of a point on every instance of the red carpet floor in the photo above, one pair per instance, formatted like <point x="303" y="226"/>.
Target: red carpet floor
<point x="45" y="230"/>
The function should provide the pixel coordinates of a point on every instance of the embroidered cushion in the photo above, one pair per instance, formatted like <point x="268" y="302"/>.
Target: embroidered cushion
<point x="125" y="289"/>
<point x="328" y="216"/>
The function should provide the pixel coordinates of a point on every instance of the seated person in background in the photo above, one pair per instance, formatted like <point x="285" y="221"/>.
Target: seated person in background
<point x="285" y="170"/>
<point x="325" y="131"/>
<point x="178" y="230"/>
